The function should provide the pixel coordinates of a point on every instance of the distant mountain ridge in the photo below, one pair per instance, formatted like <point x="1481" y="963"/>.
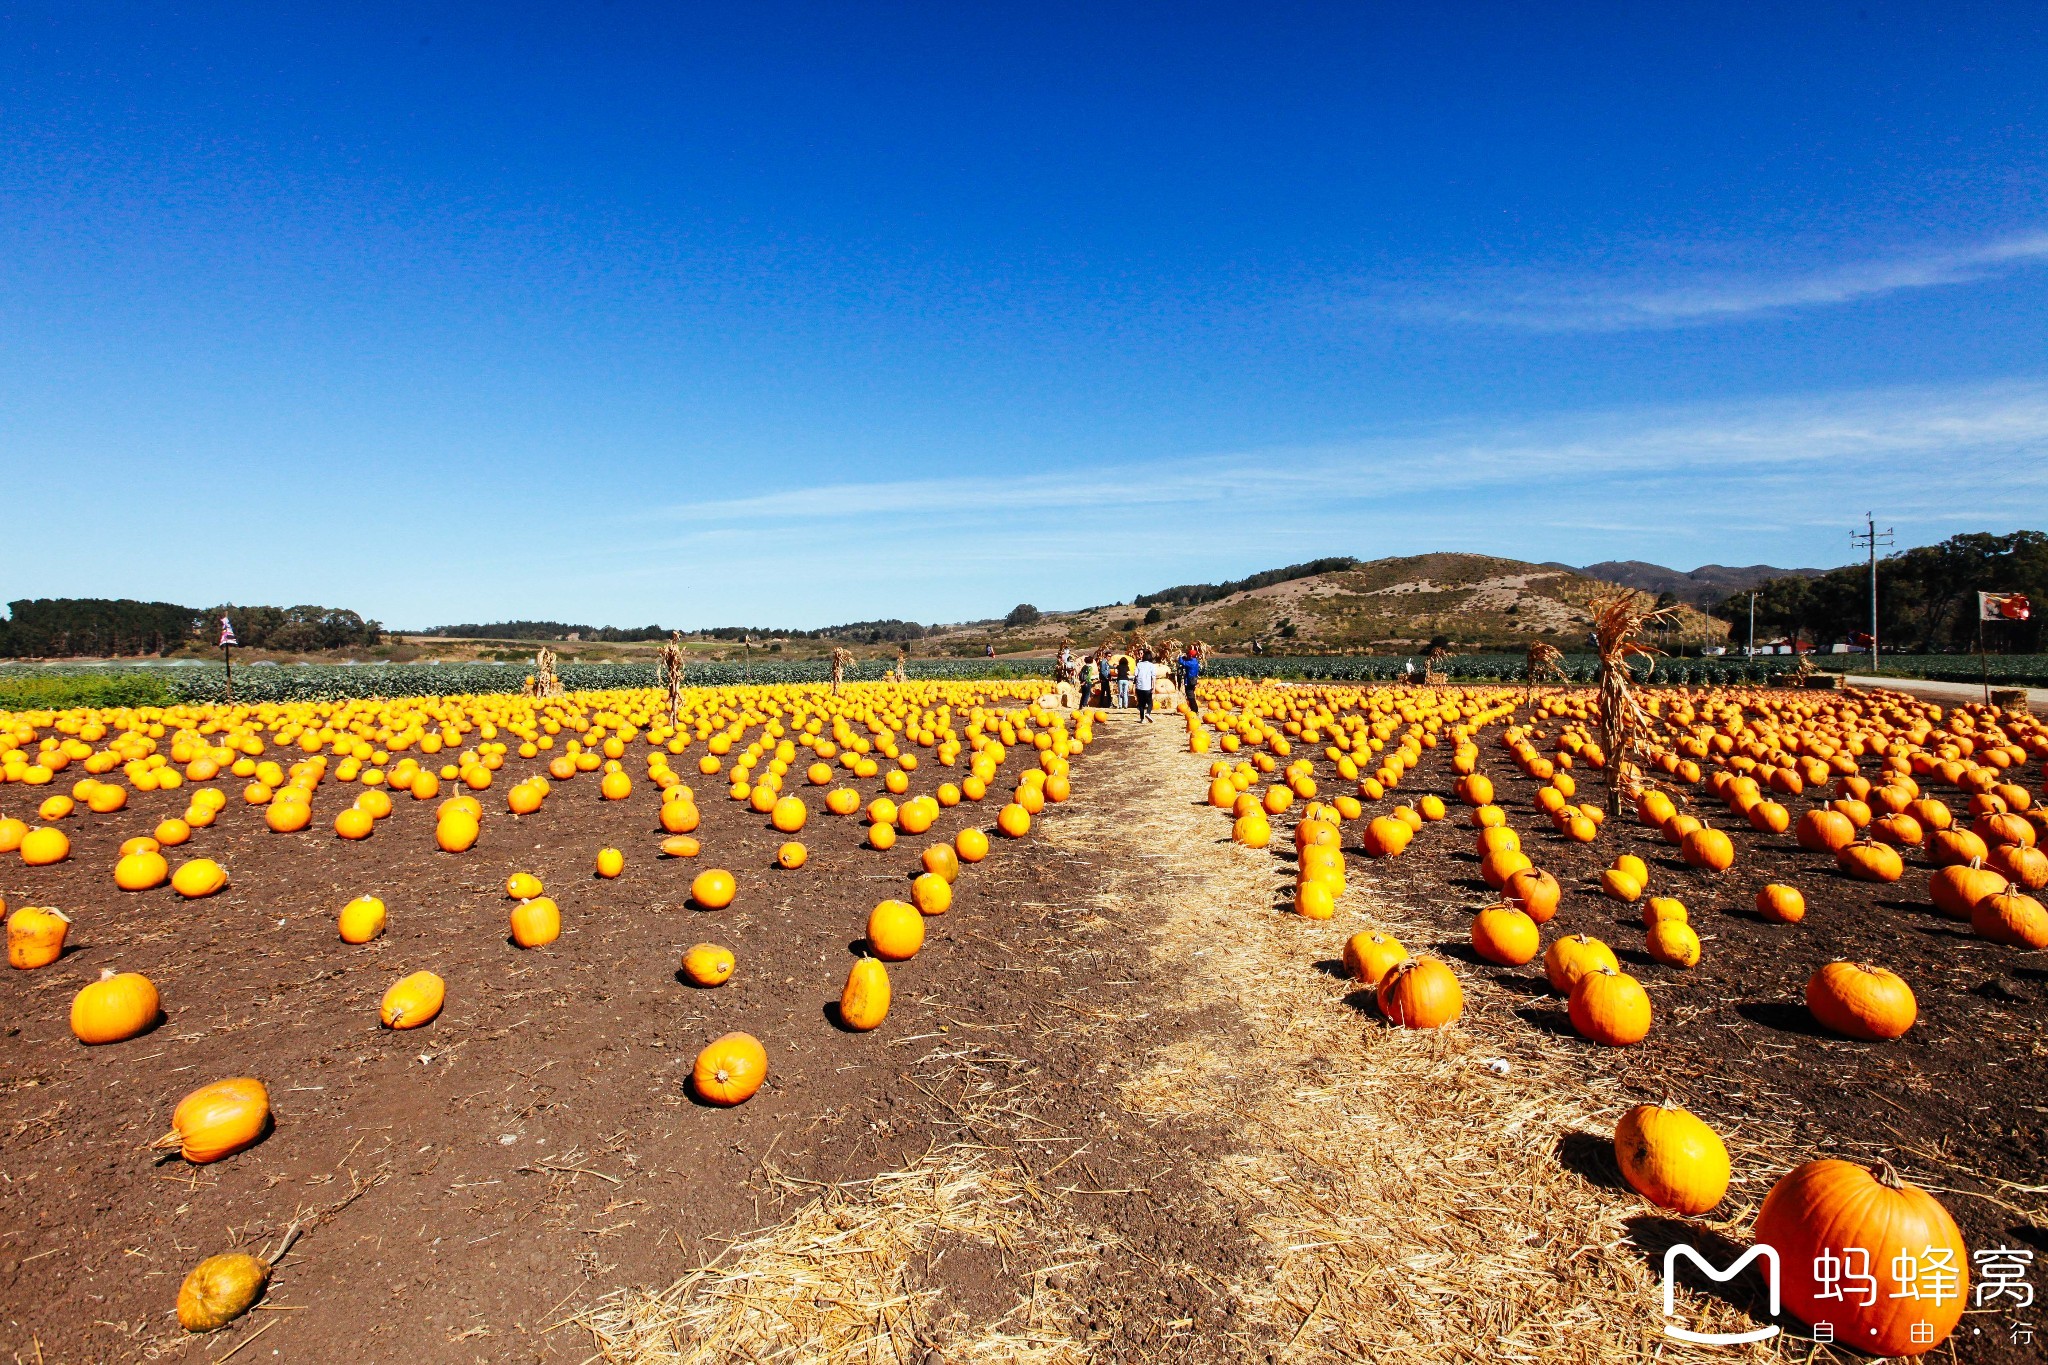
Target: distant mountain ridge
<point x="1703" y="587"/>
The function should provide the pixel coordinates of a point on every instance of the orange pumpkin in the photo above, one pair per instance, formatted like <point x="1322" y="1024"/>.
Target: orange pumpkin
<point x="1505" y="935"/>
<point x="708" y="964"/>
<point x="1781" y="904"/>
<point x="1863" y="1002"/>
<point x="413" y="1001"/>
<point x="1707" y="848"/>
<point x="1824" y="831"/>
<point x="2011" y="918"/>
<point x="1824" y="1208"/>
<point x="35" y="937"/>
<point x="713" y="888"/>
<point x="1610" y="1007"/>
<point x="1572" y="957"/>
<point x="1369" y="956"/>
<point x="730" y="1070"/>
<point x="1421" y="993"/>
<point x="362" y="919"/>
<point x="1672" y="1158"/>
<point x="1956" y="889"/>
<point x="895" y="931"/>
<point x="536" y="923"/>
<point x="1535" y="891"/>
<point x="864" y="1002"/>
<point x="114" y="1008"/>
<point x="218" y="1120"/>
<point x="1871" y="862"/>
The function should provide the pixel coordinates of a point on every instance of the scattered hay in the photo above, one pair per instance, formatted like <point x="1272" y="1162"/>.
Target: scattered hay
<point x="1408" y="1201"/>
<point x="835" y="1282"/>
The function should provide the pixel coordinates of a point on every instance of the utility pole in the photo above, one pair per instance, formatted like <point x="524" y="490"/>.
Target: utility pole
<point x="1752" y="625"/>
<point x="1871" y="538"/>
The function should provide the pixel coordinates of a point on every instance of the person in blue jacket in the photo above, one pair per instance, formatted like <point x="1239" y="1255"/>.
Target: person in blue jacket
<point x="1191" y="672"/>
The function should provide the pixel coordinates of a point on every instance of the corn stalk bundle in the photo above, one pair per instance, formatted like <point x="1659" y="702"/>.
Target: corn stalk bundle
<point x="841" y="657"/>
<point x="1545" y="662"/>
<point x="1618" y="618"/>
<point x="545" y="683"/>
<point x="672" y="674"/>
<point x="902" y="664"/>
<point x="1433" y="672"/>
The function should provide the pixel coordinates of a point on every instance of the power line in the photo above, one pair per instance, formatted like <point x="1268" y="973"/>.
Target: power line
<point x="1870" y="538"/>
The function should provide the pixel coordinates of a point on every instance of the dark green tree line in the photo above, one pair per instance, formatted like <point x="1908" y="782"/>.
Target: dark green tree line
<point x="1926" y="597"/>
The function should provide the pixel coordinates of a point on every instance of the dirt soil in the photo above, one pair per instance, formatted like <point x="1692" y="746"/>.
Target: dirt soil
<point x="466" y="1184"/>
<point x="474" y="1190"/>
<point x="1959" y="1105"/>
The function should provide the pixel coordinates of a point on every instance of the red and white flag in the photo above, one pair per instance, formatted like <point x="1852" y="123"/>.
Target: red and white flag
<point x="2003" y="606"/>
<point x="227" y="633"/>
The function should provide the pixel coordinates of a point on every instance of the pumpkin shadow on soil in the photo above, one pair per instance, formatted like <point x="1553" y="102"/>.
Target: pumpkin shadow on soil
<point x="1365" y="1000"/>
<point x="1782" y="1016"/>
<point x="1331" y="966"/>
<point x="1552" y="1021"/>
<point x="1591" y="1157"/>
<point x="1461" y="950"/>
<point x="1651" y="1235"/>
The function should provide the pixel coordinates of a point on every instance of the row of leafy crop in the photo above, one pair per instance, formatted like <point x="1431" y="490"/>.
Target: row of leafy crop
<point x="335" y="682"/>
<point x="2002" y="670"/>
<point x="1497" y="668"/>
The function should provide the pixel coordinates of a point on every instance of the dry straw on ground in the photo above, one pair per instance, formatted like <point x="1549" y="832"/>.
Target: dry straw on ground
<point x="835" y="1282"/>
<point x="1406" y="1188"/>
<point x="1404" y="1193"/>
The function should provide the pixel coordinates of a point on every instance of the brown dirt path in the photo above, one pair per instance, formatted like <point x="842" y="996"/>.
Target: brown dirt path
<point x="1289" y="1179"/>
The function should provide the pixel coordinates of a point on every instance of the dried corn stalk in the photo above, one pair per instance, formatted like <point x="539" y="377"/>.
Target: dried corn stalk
<point x="1618" y="618"/>
<point x="1545" y="662"/>
<point x="672" y="674"/>
<point x="545" y="683"/>
<point x="841" y="657"/>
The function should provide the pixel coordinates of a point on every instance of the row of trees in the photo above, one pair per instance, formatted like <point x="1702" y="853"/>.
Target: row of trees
<point x="69" y="627"/>
<point x="1926" y="597"/>
<point x="1193" y="594"/>
<point x="859" y="632"/>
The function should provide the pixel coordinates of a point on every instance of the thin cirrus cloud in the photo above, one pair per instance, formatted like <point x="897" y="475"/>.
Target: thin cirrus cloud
<point x="1717" y="452"/>
<point x="1776" y="481"/>
<point x="1557" y="304"/>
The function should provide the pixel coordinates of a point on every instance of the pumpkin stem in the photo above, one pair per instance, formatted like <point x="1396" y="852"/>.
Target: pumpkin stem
<point x="1886" y="1176"/>
<point x="168" y="1140"/>
<point x="108" y="973"/>
<point x="291" y="1234"/>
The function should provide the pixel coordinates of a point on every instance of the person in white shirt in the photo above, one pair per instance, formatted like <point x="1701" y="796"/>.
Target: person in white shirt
<point x="1146" y="674"/>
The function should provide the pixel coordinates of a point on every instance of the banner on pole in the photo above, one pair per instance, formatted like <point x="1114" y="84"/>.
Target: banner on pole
<point x="2003" y="606"/>
<point x="227" y="633"/>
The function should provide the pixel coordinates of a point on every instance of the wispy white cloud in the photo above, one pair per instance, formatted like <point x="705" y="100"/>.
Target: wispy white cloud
<point x="1566" y="304"/>
<point x="1723" y="453"/>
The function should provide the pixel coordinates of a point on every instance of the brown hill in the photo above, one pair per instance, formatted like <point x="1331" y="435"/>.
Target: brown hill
<point x="1384" y="605"/>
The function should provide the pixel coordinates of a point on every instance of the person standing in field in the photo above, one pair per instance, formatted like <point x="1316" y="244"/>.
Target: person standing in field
<point x="1103" y="669"/>
<point x="1146" y="675"/>
<point x="1190" y="674"/>
<point x="1123" y="681"/>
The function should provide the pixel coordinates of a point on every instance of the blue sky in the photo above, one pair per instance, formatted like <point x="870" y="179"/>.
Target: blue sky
<point x="797" y="314"/>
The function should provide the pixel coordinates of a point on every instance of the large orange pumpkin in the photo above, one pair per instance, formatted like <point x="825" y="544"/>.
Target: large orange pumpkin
<point x="1535" y="891"/>
<point x="413" y="1001"/>
<point x="218" y="1120"/>
<point x="1503" y="934"/>
<point x="1421" y="993"/>
<point x="2010" y="918"/>
<point x="864" y="1003"/>
<point x="1369" y="956"/>
<point x="35" y="937"/>
<point x="895" y="931"/>
<point x="1859" y="1001"/>
<point x="730" y="1069"/>
<point x="114" y="1008"/>
<point x="1849" y="1220"/>
<point x="1672" y="1158"/>
<point x="1610" y="1007"/>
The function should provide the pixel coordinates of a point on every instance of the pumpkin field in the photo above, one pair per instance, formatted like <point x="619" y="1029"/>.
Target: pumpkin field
<point x="928" y="1021"/>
